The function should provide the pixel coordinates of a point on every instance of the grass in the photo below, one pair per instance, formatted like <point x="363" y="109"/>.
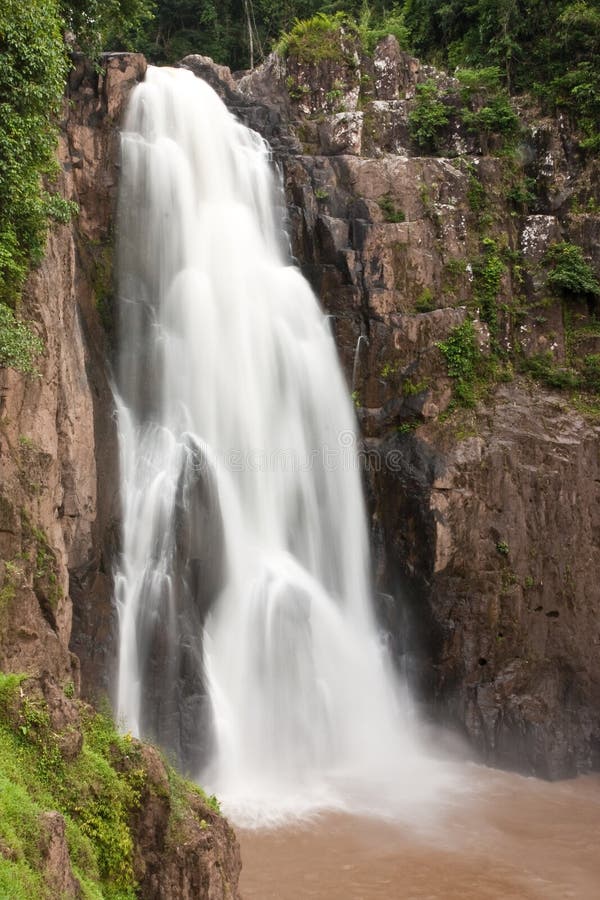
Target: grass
<point x="96" y="793"/>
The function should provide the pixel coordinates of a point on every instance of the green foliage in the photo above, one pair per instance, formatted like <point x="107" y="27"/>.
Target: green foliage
<point x="476" y="194"/>
<point x="17" y="879"/>
<point x="180" y="789"/>
<point x="502" y="548"/>
<point x="335" y="94"/>
<point x="99" y="798"/>
<point x="92" y="795"/>
<point x="455" y="267"/>
<point x="571" y="274"/>
<point x="495" y="117"/>
<point x="108" y="24"/>
<point x="523" y="193"/>
<point x="33" y="67"/>
<point x="489" y="111"/>
<point x="429" y="117"/>
<point x="373" y="27"/>
<point x="583" y="207"/>
<point x="461" y="354"/>
<point x="19" y="346"/>
<point x="59" y="209"/>
<point x="546" y="46"/>
<point x="318" y="38"/>
<point x="543" y="368"/>
<point x="407" y="427"/>
<point x="9" y="691"/>
<point x="590" y="375"/>
<point x="425" y="302"/>
<point x="487" y="277"/>
<point x="295" y="90"/>
<point x="222" y="29"/>
<point x="574" y="86"/>
<point x="411" y="388"/>
<point x="391" y="213"/>
<point x="20" y="830"/>
<point x="482" y="82"/>
<point x="388" y="369"/>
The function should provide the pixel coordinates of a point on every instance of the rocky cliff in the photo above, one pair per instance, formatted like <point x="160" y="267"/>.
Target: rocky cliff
<point x="58" y="531"/>
<point x="482" y="480"/>
<point x="484" y="495"/>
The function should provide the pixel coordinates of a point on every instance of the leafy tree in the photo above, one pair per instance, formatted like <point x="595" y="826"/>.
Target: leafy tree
<point x="226" y="30"/>
<point x="233" y="31"/>
<point x="33" y="70"/>
<point x="107" y="24"/>
<point x="33" y="67"/>
<point x="550" y="47"/>
<point x="488" y="111"/>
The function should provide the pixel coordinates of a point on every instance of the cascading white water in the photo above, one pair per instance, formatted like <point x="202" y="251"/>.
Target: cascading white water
<point x="248" y="644"/>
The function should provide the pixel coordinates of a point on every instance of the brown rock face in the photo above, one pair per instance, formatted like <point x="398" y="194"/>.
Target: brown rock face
<point x="494" y="529"/>
<point x="187" y="854"/>
<point x="96" y="105"/>
<point x="57" y="437"/>
<point x="56" y="862"/>
<point x="485" y="521"/>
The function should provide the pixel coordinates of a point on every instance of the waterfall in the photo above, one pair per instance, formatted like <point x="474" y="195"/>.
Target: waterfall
<point x="248" y="644"/>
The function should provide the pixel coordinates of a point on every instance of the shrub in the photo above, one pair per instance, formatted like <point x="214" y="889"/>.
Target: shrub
<point x="522" y="193"/>
<point x="571" y="274"/>
<point x="318" y="38"/>
<point x="488" y="110"/>
<point x="429" y="117"/>
<point x="425" y="302"/>
<point x="461" y="354"/>
<point x="476" y="194"/>
<point x="487" y="278"/>
<point x="390" y="211"/>
<point x="542" y="367"/>
<point x="371" y="32"/>
<point x="478" y="82"/>
<point x="18" y="344"/>
<point x="590" y="375"/>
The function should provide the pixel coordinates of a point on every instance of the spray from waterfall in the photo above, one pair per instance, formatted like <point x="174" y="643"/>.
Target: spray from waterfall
<point x="248" y="644"/>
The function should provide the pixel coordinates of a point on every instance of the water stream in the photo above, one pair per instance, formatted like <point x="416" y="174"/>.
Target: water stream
<point x="248" y="645"/>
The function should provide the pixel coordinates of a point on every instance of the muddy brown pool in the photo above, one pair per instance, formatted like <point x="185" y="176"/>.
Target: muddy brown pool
<point x="511" y="838"/>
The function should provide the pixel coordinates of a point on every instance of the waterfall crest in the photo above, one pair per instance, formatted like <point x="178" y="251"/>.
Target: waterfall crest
<point x="248" y="646"/>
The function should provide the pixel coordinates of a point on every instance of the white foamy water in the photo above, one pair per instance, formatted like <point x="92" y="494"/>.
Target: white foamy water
<point x="248" y="645"/>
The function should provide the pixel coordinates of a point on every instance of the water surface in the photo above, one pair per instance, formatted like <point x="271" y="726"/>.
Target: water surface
<point x="511" y="838"/>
